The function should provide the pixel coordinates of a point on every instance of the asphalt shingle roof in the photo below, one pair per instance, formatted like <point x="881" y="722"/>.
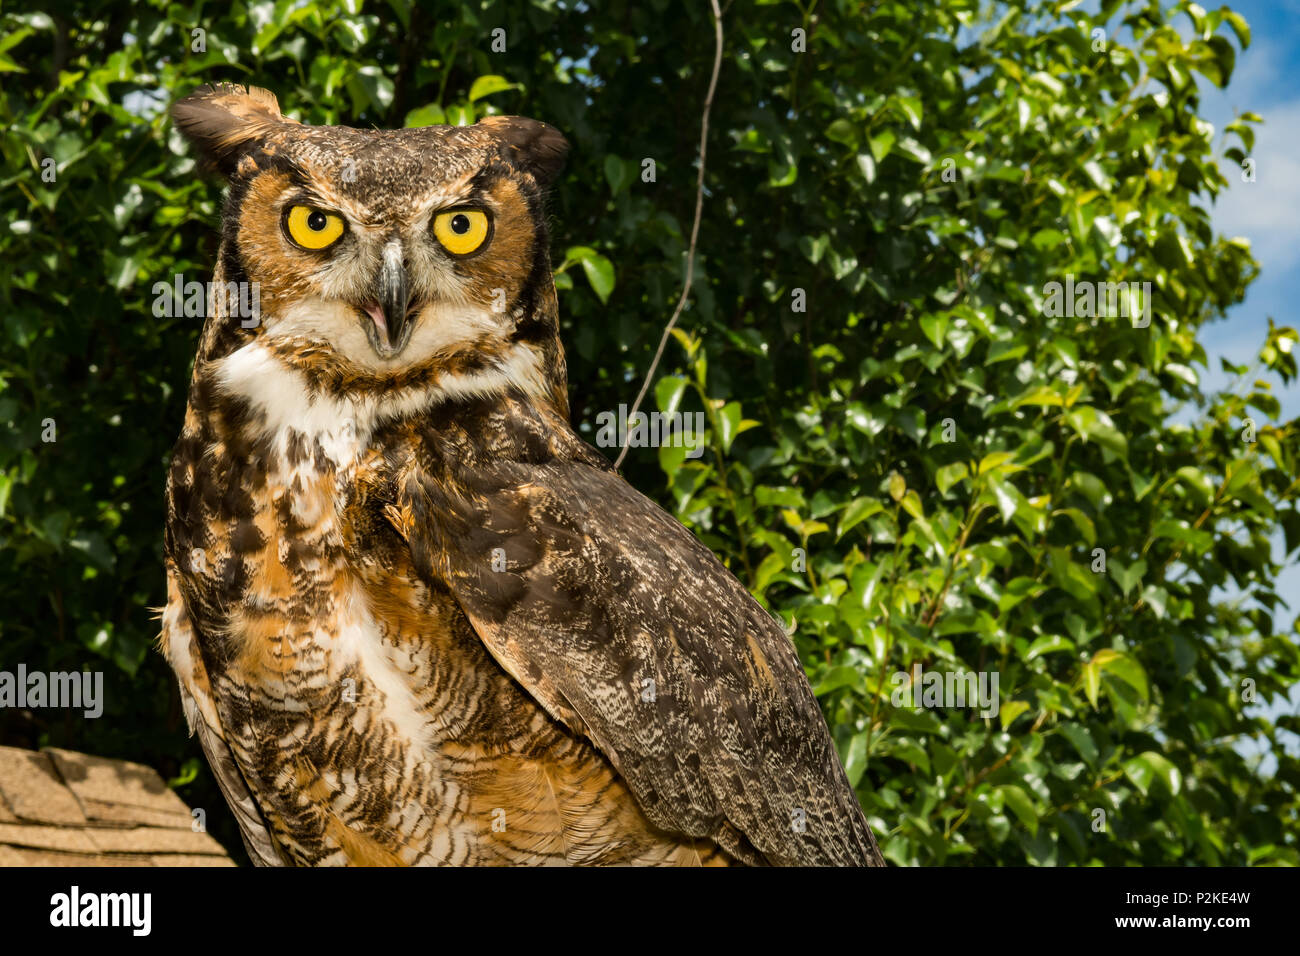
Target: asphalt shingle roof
<point x="60" y="808"/>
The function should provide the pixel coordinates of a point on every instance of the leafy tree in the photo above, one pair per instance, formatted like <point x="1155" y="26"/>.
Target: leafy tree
<point x="916" y="453"/>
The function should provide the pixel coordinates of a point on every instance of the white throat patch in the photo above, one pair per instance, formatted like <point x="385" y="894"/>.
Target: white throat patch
<point x="344" y="425"/>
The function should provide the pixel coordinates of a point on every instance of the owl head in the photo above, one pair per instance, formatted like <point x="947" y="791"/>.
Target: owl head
<point x="384" y="259"/>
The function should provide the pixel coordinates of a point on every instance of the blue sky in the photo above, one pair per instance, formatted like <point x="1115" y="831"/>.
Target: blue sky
<point x="1267" y="212"/>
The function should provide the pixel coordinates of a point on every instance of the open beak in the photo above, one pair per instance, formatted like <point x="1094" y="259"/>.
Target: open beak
<point x="389" y="328"/>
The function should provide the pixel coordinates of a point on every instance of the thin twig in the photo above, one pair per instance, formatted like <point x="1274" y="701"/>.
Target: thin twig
<point x="695" y="227"/>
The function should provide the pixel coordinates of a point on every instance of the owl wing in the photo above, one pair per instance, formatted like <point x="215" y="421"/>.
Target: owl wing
<point x="180" y="644"/>
<point x="628" y="630"/>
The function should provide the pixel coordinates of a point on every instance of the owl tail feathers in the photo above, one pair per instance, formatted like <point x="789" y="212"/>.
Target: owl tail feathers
<point x="225" y="120"/>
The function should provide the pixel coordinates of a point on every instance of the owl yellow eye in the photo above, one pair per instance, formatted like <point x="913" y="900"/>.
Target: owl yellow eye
<point x="461" y="231"/>
<point x="312" y="228"/>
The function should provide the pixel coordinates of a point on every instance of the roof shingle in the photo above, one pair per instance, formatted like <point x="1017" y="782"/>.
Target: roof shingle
<point x="62" y="808"/>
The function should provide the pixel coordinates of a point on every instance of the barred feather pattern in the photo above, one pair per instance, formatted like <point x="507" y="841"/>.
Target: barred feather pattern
<point x="414" y="618"/>
<point x="358" y="705"/>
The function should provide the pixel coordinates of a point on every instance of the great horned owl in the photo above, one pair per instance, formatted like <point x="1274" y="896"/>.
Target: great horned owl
<point x="416" y="619"/>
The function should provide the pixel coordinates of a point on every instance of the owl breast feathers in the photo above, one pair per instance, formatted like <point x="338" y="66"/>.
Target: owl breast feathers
<point x="415" y="619"/>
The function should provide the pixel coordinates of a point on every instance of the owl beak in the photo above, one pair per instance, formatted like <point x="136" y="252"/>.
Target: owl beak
<point x="390" y="330"/>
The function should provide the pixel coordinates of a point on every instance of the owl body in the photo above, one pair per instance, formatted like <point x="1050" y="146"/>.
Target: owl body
<point x="355" y="698"/>
<point x="414" y="618"/>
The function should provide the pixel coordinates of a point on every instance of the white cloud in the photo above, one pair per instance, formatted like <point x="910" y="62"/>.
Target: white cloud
<point x="1267" y="211"/>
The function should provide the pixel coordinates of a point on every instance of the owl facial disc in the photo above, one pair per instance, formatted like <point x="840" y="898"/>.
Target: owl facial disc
<point x="387" y="260"/>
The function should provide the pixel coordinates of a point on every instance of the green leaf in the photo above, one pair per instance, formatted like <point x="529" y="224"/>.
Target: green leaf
<point x="1091" y="675"/>
<point x="460" y="114"/>
<point x="618" y="174"/>
<point x="881" y="143"/>
<point x="669" y="391"/>
<point x="1197" y="483"/>
<point x="949" y="475"/>
<point x="1021" y="805"/>
<point x="1095" y="425"/>
<point x="867" y="167"/>
<point x="838" y="677"/>
<point x="430" y="114"/>
<point x="1126" y="577"/>
<point x="858" y="511"/>
<point x="1239" y="26"/>
<point x="1006" y="496"/>
<point x="935" y="328"/>
<point x="855" y="761"/>
<point x="487" y="85"/>
<point x="842" y="131"/>
<point x="1155" y="598"/>
<point x="995" y="461"/>
<point x="1017" y="590"/>
<point x="911" y="108"/>
<point x="1082" y="523"/>
<point x="1150" y="767"/>
<point x="1048" y="644"/>
<point x="1123" y="666"/>
<point x="913" y="150"/>
<point x="911" y="503"/>
<point x="731" y="424"/>
<point x="1081" y="738"/>
<point x="1010" y="711"/>
<point x="598" y="269"/>
<point x="377" y="86"/>
<point x="1240" y="473"/>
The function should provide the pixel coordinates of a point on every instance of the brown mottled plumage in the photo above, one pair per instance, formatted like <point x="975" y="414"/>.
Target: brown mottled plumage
<point x="414" y="617"/>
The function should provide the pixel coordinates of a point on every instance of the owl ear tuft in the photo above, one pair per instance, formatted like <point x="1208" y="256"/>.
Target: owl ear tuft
<point x="224" y="120"/>
<point x="532" y="145"/>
